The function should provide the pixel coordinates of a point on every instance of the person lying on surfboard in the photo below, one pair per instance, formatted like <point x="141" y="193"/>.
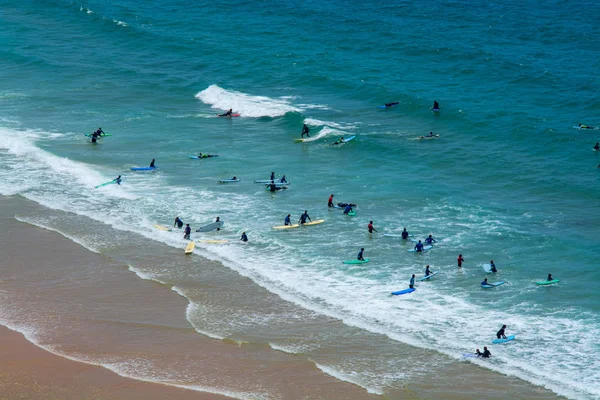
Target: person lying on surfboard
<point x="305" y="131"/>
<point x="347" y="209"/>
<point x="203" y="155"/>
<point x="581" y="126"/>
<point x="392" y="104"/>
<point x="227" y="114"/>
<point x="339" y="141"/>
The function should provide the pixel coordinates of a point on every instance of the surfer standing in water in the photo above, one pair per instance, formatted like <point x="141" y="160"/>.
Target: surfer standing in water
<point x="330" y="201"/>
<point x="370" y="227"/>
<point x="500" y="333"/>
<point x="436" y="106"/>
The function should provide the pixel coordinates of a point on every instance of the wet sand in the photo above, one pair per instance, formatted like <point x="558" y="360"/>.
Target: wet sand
<point x="29" y="372"/>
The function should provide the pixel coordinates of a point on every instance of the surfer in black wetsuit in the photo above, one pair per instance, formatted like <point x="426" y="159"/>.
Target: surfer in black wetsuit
<point x="412" y="282"/>
<point x="186" y="233"/>
<point x="486" y="353"/>
<point x="283" y="180"/>
<point x="178" y="223"/>
<point x="118" y="180"/>
<point x="244" y="238"/>
<point x="392" y="104"/>
<point x="550" y="278"/>
<point x="436" y="106"/>
<point x="304" y="217"/>
<point x="305" y="131"/>
<point x="272" y="178"/>
<point x="427" y="271"/>
<point x="500" y="333"/>
<point x="360" y="254"/>
<point x="152" y="163"/>
<point x="227" y="114"/>
<point x="405" y="234"/>
<point x="597" y="146"/>
<point x="100" y="132"/>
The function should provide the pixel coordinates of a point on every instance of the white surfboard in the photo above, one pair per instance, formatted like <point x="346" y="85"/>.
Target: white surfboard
<point x="210" y="227"/>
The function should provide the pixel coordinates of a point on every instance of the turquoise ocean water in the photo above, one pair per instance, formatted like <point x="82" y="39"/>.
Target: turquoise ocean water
<point x="509" y="179"/>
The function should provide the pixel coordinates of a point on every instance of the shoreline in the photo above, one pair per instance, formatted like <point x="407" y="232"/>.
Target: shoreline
<point x="29" y="371"/>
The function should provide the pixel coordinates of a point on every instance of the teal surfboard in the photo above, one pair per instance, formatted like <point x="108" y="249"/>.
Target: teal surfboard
<point x="366" y="260"/>
<point x="543" y="283"/>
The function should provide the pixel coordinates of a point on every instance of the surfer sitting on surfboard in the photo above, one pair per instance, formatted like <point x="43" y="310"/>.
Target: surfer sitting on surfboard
<point x="305" y="131"/>
<point x="392" y="104"/>
<point x="244" y="238"/>
<point x="500" y="333"/>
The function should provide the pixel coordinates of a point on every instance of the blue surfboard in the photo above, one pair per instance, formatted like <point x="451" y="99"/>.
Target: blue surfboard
<point x="143" y="168"/>
<point x="508" y="339"/>
<point x="405" y="291"/>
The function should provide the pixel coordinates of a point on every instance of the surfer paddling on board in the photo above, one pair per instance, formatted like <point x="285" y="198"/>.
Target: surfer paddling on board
<point x="305" y="131"/>
<point x="360" y="254"/>
<point x="387" y="105"/>
<point x="371" y="228"/>
<point x="340" y="141"/>
<point x="287" y="220"/>
<point x="581" y="126"/>
<point x="304" y="217"/>
<point x="330" y="201"/>
<point x="227" y="114"/>
<point x="178" y="223"/>
<point x="500" y="334"/>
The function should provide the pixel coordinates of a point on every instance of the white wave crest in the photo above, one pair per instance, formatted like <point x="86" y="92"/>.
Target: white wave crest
<point x="244" y="104"/>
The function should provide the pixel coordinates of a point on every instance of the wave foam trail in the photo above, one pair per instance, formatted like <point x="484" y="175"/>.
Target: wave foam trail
<point x="244" y="104"/>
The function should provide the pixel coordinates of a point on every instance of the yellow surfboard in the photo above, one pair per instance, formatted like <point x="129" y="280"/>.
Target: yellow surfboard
<point x="213" y="241"/>
<point x="190" y="247"/>
<point x="298" y="140"/>
<point x="316" y="222"/>
<point x="162" y="228"/>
